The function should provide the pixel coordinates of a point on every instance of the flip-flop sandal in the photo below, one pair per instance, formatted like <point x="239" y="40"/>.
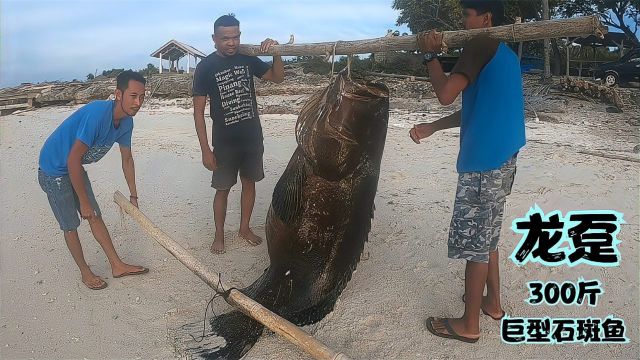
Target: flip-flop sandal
<point x="102" y="285"/>
<point x="451" y="333"/>
<point x="489" y="315"/>
<point x="131" y="273"/>
<point x="218" y="252"/>
<point x="251" y="242"/>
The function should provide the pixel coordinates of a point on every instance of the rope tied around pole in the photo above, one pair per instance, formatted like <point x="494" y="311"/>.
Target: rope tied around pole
<point x="597" y="30"/>
<point x="224" y="294"/>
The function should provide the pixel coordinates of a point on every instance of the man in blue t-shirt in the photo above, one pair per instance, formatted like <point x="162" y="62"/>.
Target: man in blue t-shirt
<point x="492" y="132"/>
<point x="84" y="138"/>
<point x="226" y="77"/>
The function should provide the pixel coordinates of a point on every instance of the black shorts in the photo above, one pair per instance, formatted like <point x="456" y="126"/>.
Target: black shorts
<point x="246" y="162"/>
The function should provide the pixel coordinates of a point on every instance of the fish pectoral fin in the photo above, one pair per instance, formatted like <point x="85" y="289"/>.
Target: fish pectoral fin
<point x="288" y="194"/>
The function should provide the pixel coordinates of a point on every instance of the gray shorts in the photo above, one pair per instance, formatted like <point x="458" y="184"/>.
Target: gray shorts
<point x="232" y="162"/>
<point x="63" y="199"/>
<point x="478" y="211"/>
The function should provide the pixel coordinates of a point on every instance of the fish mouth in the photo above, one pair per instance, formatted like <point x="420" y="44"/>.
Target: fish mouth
<point x="362" y="90"/>
<point x="329" y="103"/>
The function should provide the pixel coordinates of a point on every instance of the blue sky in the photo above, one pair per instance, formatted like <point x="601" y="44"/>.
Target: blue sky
<point x="47" y="40"/>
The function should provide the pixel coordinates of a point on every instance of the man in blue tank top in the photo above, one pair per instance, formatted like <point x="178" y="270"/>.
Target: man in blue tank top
<point x="84" y="138"/>
<point x="492" y="131"/>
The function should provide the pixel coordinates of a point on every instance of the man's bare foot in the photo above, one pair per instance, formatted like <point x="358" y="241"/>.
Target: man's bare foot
<point x="93" y="282"/>
<point x="492" y="310"/>
<point x="123" y="269"/>
<point x="218" y="244"/>
<point x="250" y="237"/>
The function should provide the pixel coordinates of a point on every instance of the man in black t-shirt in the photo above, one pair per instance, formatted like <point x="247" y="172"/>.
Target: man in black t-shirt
<point x="227" y="78"/>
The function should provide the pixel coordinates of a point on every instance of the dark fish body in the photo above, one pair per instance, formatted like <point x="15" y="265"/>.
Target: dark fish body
<point x="321" y="211"/>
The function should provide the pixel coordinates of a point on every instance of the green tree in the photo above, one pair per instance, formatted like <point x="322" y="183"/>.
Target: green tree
<point x="442" y="15"/>
<point x="421" y="15"/>
<point x="149" y="70"/>
<point x="111" y="73"/>
<point x="623" y="15"/>
<point x="90" y="77"/>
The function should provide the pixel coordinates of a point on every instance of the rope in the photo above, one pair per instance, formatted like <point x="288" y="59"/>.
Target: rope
<point x="224" y="294"/>
<point x="596" y="28"/>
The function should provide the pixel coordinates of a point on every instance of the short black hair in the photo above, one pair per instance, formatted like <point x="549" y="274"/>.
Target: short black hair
<point x="226" y="21"/>
<point x="122" y="80"/>
<point x="495" y="7"/>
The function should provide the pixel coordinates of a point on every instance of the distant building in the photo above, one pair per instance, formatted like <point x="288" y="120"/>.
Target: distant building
<point x="173" y="51"/>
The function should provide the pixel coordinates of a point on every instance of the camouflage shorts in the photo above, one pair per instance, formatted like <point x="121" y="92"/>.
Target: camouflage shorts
<point x="478" y="211"/>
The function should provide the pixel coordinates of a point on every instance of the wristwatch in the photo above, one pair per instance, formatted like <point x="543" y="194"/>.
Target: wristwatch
<point x="428" y="57"/>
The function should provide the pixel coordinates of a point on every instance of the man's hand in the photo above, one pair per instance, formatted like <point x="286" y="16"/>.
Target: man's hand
<point x="267" y="43"/>
<point x="209" y="160"/>
<point x="86" y="211"/>
<point x="421" y="131"/>
<point x="430" y="41"/>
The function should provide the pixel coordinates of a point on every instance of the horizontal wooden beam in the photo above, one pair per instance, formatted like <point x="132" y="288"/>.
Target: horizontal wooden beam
<point x="15" y="106"/>
<point x="529" y="31"/>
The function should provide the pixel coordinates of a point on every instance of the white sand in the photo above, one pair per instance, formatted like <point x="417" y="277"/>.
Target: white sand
<point x="405" y="275"/>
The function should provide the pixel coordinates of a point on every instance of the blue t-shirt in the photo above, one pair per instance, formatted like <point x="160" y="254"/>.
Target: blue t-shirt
<point x="492" y="126"/>
<point x="93" y="125"/>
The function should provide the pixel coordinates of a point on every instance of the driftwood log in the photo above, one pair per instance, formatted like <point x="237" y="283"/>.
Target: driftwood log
<point x="600" y="92"/>
<point x="610" y="155"/>
<point x="538" y="30"/>
<point x="235" y="298"/>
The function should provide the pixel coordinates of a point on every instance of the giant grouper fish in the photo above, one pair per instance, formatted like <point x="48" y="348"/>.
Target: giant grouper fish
<point x="321" y="211"/>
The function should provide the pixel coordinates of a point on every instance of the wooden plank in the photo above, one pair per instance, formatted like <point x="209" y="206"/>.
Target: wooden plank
<point x="538" y="30"/>
<point x="17" y="97"/>
<point x="15" y="106"/>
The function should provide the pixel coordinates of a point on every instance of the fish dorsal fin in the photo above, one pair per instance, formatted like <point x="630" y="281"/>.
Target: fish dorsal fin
<point x="287" y="199"/>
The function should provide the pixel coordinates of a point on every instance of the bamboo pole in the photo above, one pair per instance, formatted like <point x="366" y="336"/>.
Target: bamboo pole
<point x="538" y="30"/>
<point x="235" y="298"/>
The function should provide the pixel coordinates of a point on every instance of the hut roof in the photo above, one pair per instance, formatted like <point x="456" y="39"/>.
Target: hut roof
<point x="174" y="50"/>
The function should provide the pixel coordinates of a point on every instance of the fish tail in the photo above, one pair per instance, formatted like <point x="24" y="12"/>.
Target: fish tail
<point x="240" y="333"/>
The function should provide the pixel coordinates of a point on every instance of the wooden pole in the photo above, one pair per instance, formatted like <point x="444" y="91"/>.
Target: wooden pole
<point x="235" y="298"/>
<point x="568" y="55"/>
<point x="547" y="44"/>
<point x="520" y="44"/>
<point x="396" y="76"/>
<point x="538" y="30"/>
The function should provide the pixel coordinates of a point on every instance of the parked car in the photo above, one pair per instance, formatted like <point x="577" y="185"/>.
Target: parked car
<point x="623" y="71"/>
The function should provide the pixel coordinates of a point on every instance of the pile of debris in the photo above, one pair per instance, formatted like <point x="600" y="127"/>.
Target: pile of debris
<point x="592" y="90"/>
<point x="296" y="88"/>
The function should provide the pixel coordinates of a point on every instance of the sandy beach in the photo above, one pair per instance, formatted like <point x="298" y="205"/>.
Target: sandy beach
<point x="404" y="275"/>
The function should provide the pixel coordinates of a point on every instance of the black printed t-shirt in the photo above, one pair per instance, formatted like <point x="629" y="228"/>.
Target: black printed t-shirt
<point x="228" y="81"/>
